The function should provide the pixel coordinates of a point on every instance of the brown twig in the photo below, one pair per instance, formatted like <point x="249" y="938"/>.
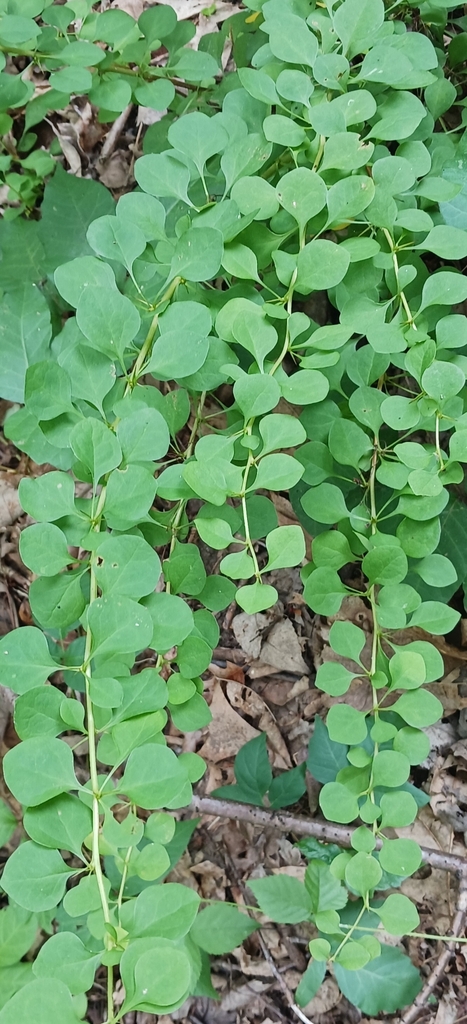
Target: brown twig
<point x="458" y="926"/>
<point x="113" y="134"/>
<point x="311" y="827"/>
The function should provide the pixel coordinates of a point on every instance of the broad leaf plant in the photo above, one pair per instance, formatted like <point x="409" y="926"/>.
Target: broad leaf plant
<point x="170" y="348"/>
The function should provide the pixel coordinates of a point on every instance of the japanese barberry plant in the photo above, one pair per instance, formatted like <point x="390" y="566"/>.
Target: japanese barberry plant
<point x="330" y="165"/>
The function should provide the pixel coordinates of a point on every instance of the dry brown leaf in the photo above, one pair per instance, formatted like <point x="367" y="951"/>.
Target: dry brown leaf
<point x="254" y="706"/>
<point x="236" y="999"/>
<point x="116" y="171"/>
<point x="132" y="7"/>
<point x="282" y="649"/>
<point x="327" y="997"/>
<point x="247" y="630"/>
<point x="283" y="692"/>
<point x="227" y="732"/>
<point x="10" y="508"/>
<point x="448" y="1008"/>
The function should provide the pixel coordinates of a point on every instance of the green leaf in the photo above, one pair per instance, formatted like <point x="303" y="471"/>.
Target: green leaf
<point x="399" y="809"/>
<point x="282" y="898"/>
<point x="128" y="566"/>
<point x="157" y="95"/>
<point x="256" y="597"/>
<point x="445" y="288"/>
<point x="143" y="210"/>
<point x="291" y="40"/>
<point x="443" y="380"/>
<point x="116" y="239"/>
<point x="96" y="447"/>
<point x="184" y="569"/>
<point x="348" y="443"/>
<point x="344" y="721"/>
<point x="385" y="564"/>
<point x="43" y="548"/>
<point x="35" y="878"/>
<point x="82" y="54"/>
<point x="25" y="661"/>
<point x="326" y="892"/>
<point x="347" y="640"/>
<point x="198" y="137"/>
<point x="26" y="332"/>
<point x="310" y="982"/>
<point x="400" y="114"/>
<point x="130" y="494"/>
<point x="166" y="910"/>
<point x="331" y="549"/>
<point x="325" y="757"/>
<point x="400" y="856"/>
<point x="69" y="206"/>
<point x="143" y="436"/>
<point x="334" y="678"/>
<point x="285" y="547"/>
<point x="18" y="930"/>
<point x="65" y="958"/>
<point x="324" y="591"/>
<point x="321" y="265"/>
<point x="153" y="777"/>
<point x="118" y="625"/>
<point x="42" y="1002"/>
<point x="349" y="197"/>
<point x="398" y="914"/>
<point x="325" y="503"/>
<point x="244" y="157"/>
<point x="254" y="195"/>
<point x="419" y="708"/>
<point x="161" y="174"/>
<point x="60" y="824"/>
<point x="39" y="769"/>
<point x="435" y="617"/>
<point x="302" y="193"/>
<point x="338" y="803"/>
<point x="447" y="242"/>
<point x="385" y="984"/>
<point x="219" y="929"/>
<point x="195" y="65"/>
<point x="363" y="873"/>
<point x="172" y="620"/>
<point x="252" y="773"/>
<point x="356" y="22"/>
<point x="283" y="130"/>
<point x="108" y="320"/>
<point x="37" y="713"/>
<point x="277" y="472"/>
<point x="198" y="254"/>
<point x="287" y="788"/>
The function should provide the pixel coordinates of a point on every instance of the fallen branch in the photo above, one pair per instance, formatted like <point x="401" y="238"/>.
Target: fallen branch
<point x="311" y="827"/>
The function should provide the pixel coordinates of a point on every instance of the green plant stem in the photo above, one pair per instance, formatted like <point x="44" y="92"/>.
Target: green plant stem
<point x="138" y="368"/>
<point x="186" y="455"/>
<point x="352" y="928"/>
<point x="401" y="293"/>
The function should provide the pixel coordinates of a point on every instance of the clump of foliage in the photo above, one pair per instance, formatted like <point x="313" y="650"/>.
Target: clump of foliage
<point x="332" y="160"/>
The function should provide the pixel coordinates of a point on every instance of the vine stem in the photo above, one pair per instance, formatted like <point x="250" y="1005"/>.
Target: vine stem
<point x="91" y="727"/>
<point x="401" y="292"/>
<point x="148" y="341"/>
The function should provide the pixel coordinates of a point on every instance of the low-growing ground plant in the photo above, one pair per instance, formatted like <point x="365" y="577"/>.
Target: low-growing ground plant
<point x="332" y="160"/>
